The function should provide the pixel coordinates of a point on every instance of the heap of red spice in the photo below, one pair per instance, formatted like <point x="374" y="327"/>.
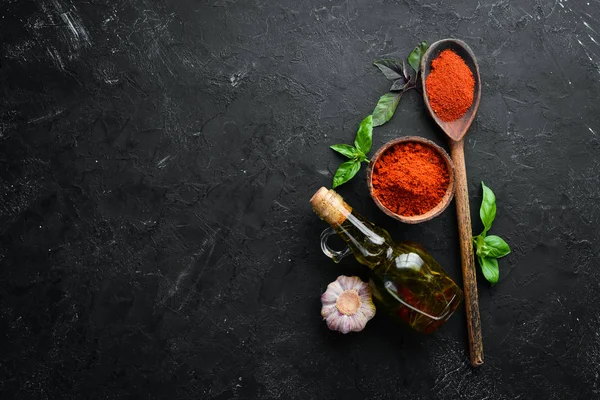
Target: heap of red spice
<point x="450" y="86"/>
<point x="410" y="178"/>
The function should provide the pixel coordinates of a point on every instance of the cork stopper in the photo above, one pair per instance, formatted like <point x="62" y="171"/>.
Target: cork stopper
<point x="330" y="206"/>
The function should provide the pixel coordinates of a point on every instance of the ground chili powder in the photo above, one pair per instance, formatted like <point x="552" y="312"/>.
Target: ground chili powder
<point x="410" y="178"/>
<point x="450" y="86"/>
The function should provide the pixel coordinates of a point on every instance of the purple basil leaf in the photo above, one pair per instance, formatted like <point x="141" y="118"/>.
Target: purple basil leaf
<point x="405" y="71"/>
<point x="398" y="85"/>
<point x="392" y="69"/>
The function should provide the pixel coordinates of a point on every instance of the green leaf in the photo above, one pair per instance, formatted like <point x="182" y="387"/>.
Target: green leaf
<point x="384" y="110"/>
<point x="496" y="246"/>
<point x="414" y="58"/>
<point x="364" y="135"/>
<point x="487" y="212"/>
<point x="489" y="267"/>
<point x="346" y="150"/>
<point x="345" y="172"/>
<point x="480" y="240"/>
<point x="482" y="251"/>
<point x="392" y="69"/>
<point x="480" y="247"/>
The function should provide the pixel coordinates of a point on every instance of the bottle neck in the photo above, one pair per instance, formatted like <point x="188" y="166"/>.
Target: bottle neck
<point x="369" y="243"/>
<point x="360" y="231"/>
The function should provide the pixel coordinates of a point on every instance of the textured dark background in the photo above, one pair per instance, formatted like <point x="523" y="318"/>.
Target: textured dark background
<point x="156" y="162"/>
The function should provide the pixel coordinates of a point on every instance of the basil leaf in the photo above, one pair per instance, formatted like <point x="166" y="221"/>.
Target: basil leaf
<point x="392" y="69"/>
<point x="480" y="240"/>
<point x="346" y="150"/>
<point x="414" y="59"/>
<point x="489" y="267"/>
<point x="496" y="246"/>
<point x="384" y="110"/>
<point x="345" y="172"/>
<point x="482" y="249"/>
<point x="364" y="135"/>
<point x="398" y="85"/>
<point x="487" y="212"/>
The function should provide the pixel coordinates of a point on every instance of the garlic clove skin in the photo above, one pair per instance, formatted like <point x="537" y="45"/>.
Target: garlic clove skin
<point x="327" y="310"/>
<point x="334" y="290"/>
<point x="347" y="304"/>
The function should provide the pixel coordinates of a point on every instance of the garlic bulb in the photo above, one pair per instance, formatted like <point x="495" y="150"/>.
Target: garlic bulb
<point x="347" y="304"/>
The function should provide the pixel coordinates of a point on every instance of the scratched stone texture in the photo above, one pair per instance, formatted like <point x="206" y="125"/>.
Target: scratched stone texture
<point x="156" y="162"/>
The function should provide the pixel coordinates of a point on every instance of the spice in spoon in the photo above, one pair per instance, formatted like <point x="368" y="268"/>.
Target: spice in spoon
<point x="450" y="86"/>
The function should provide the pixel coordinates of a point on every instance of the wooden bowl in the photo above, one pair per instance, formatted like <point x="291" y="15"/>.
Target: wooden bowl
<point x="435" y="211"/>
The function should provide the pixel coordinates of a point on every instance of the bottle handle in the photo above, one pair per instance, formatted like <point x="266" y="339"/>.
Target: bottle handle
<point x="335" y="255"/>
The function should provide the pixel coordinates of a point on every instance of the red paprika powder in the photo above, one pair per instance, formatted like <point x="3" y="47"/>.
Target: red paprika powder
<point x="410" y="178"/>
<point x="450" y="86"/>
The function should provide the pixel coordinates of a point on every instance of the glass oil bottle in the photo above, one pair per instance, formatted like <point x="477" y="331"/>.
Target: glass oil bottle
<point x="406" y="281"/>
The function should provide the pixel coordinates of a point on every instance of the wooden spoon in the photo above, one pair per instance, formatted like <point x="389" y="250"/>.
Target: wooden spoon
<point x="456" y="130"/>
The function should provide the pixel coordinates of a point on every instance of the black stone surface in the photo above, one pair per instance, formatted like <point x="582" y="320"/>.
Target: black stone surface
<point x="156" y="162"/>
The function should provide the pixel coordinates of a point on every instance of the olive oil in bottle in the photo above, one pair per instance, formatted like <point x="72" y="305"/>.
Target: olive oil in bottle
<point x="406" y="281"/>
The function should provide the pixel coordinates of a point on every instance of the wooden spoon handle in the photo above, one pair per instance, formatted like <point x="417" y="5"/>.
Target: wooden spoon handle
<point x="463" y="214"/>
